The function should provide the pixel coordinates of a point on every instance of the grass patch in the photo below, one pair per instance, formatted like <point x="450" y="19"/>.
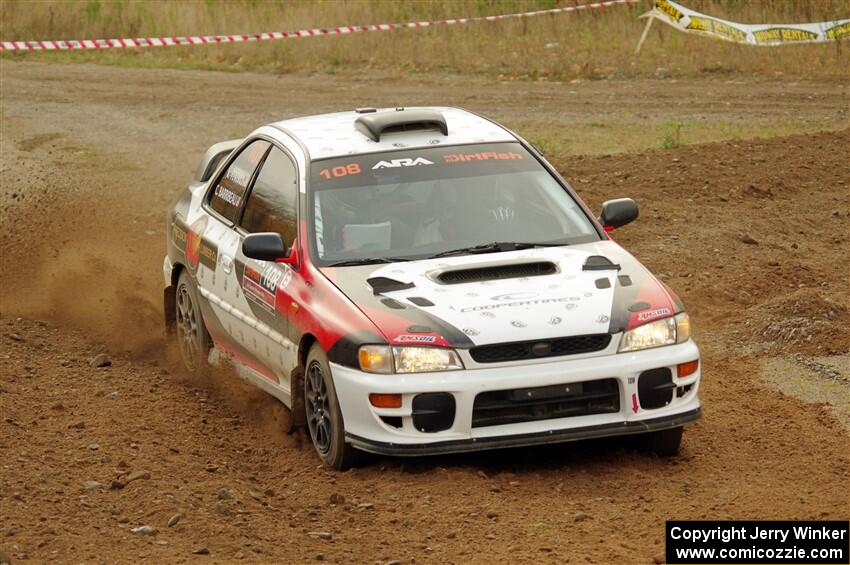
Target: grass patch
<point x="592" y="44"/>
<point x="673" y="136"/>
<point x="634" y="135"/>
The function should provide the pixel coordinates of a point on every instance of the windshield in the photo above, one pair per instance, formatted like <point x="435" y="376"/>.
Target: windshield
<point x="420" y="203"/>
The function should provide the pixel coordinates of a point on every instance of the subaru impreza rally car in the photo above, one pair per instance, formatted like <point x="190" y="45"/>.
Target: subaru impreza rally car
<point x="421" y="281"/>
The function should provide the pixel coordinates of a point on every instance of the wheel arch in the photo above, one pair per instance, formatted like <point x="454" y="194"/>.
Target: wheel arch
<point x="304" y="346"/>
<point x="296" y="380"/>
<point x="169" y="298"/>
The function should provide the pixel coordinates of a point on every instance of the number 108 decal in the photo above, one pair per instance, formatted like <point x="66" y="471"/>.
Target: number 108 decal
<point x="341" y="171"/>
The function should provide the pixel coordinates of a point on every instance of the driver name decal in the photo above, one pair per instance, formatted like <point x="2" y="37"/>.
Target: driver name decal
<point x="228" y="195"/>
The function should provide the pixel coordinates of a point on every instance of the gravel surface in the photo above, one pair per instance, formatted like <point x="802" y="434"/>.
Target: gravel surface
<point x="108" y="453"/>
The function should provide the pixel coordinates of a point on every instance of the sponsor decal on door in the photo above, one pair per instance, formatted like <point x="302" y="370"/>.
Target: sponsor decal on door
<point x="261" y="286"/>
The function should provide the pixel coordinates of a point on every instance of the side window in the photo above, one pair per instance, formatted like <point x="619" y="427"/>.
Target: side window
<point x="226" y="197"/>
<point x="272" y="205"/>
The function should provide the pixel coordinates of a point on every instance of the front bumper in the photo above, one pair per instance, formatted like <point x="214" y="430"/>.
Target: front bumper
<point x="371" y="429"/>
<point x="525" y="440"/>
<point x="167" y="270"/>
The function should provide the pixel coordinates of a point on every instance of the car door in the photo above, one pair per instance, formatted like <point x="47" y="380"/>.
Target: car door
<point x="224" y="203"/>
<point x="271" y="206"/>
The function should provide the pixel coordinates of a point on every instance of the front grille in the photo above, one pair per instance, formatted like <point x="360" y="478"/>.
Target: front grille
<point x="519" y="350"/>
<point x="499" y="407"/>
<point x="511" y="271"/>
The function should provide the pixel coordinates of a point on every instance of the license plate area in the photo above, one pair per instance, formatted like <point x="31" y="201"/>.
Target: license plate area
<point x="528" y="404"/>
<point x="546" y="392"/>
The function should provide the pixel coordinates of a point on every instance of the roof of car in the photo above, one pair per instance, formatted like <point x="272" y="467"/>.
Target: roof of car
<point x="335" y="135"/>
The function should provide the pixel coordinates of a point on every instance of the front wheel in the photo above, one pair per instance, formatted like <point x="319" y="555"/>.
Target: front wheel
<point x="324" y="417"/>
<point x="192" y="338"/>
<point x="665" y="443"/>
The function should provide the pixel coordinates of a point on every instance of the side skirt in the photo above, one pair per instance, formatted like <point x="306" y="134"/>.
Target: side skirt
<point x="248" y="374"/>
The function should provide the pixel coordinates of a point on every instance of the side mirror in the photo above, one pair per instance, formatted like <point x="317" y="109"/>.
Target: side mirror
<point x="618" y="213"/>
<point x="265" y="247"/>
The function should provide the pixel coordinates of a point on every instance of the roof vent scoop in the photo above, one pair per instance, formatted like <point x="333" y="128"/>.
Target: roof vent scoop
<point x="375" y="125"/>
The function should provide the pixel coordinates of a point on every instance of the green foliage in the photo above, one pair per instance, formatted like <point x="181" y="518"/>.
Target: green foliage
<point x="92" y="9"/>
<point x="543" y="146"/>
<point x="673" y="136"/>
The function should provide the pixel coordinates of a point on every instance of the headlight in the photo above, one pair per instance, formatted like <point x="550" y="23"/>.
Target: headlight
<point x="683" y="328"/>
<point x="376" y="358"/>
<point x="676" y="329"/>
<point x="400" y="359"/>
<point x="425" y="359"/>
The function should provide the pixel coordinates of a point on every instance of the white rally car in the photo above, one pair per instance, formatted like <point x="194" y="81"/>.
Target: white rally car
<point x="422" y="281"/>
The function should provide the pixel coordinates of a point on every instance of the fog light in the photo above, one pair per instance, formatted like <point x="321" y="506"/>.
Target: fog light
<point x="689" y="368"/>
<point x="385" y="400"/>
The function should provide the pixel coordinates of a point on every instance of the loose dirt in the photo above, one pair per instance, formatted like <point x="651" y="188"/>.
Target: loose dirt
<point x="752" y="234"/>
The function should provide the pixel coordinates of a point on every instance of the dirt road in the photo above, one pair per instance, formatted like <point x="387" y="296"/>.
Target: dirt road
<point x="753" y="235"/>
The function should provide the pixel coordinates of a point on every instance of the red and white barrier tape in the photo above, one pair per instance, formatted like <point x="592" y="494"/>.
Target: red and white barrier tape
<point x="239" y="38"/>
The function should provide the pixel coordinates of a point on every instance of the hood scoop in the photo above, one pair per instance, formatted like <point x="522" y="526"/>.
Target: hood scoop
<point x="496" y="272"/>
<point x="381" y="285"/>
<point x="599" y="263"/>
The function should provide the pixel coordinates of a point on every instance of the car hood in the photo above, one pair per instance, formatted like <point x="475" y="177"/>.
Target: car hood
<point x="526" y="295"/>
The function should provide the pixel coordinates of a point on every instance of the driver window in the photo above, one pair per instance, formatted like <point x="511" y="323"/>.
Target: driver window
<point x="272" y="202"/>
<point x="229" y="191"/>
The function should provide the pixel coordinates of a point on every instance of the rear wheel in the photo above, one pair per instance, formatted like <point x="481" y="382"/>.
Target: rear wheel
<point x="324" y="417"/>
<point x="665" y="443"/>
<point x="192" y="338"/>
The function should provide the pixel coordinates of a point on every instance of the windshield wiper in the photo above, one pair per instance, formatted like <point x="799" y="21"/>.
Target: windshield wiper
<point x="495" y="247"/>
<point x="368" y="261"/>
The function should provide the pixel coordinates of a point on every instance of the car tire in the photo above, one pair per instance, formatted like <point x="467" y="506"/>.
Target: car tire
<point x="324" y="417"/>
<point x="665" y="443"/>
<point x="193" y="340"/>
